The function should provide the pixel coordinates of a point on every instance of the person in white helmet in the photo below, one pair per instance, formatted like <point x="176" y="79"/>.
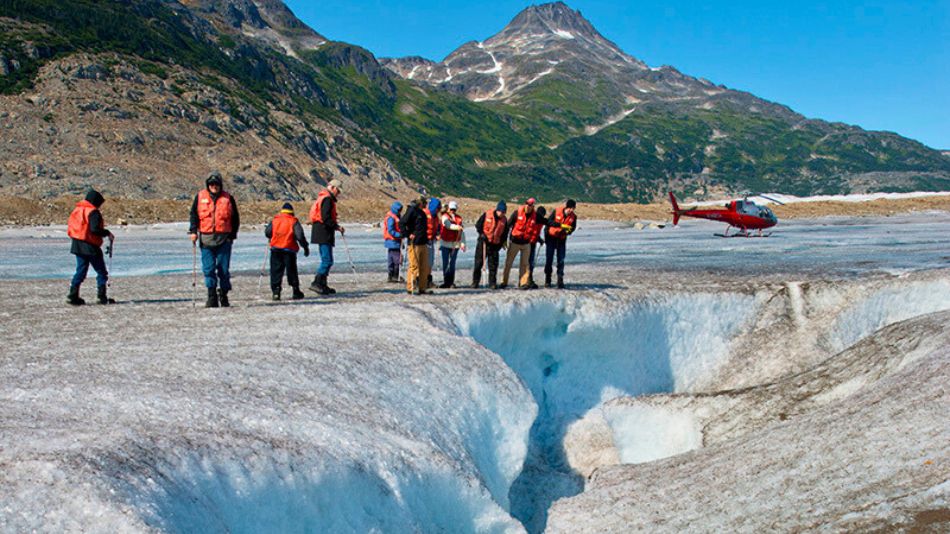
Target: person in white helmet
<point x="453" y="239"/>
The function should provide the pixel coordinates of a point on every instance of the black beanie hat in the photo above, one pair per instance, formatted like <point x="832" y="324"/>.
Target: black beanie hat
<point x="214" y="178"/>
<point x="571" y="203"/>
<point x="287" y="206"/>
<point x="94" y="198"/>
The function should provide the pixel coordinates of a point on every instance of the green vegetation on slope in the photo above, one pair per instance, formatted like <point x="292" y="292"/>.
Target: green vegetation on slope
<point x="452" y="145"/>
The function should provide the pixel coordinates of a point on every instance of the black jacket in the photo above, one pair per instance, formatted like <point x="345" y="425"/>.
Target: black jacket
<point x="324" y="233"/>
<point x="415" y="223"/>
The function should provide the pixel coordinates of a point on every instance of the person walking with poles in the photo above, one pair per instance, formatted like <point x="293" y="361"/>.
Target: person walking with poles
<point x="392" y="240"/>
<point x="87" y="229"/>
<point x="286" y="238"/>
<point x="453" y="239"/>
<point x="491" y="227"/>
<point x="562" y="224"/>
<point x="323" y="233"/>
<point x="415" y="225"/>
<point x="522" y="228"/>
<point x="214" y="227"/>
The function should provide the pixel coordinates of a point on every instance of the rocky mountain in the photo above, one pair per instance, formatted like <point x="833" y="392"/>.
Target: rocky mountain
<point x="142" y="98"/>
<point x="552" y="64"/>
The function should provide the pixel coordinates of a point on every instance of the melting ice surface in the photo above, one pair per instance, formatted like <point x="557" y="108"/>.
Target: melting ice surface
<point x="574" y="355"/>
<point x="830" y="244"/>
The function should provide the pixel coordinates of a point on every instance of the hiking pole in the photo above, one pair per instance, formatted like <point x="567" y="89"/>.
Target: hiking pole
<point x="263" y="263"/>
<point x="346" y="246"/>
<point x="402" y="254"/>
<point x="194" y="275"/>
<point x="109" y="251"/>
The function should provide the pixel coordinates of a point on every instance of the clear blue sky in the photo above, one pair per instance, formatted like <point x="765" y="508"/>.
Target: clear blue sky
<point x="882" y="65"/>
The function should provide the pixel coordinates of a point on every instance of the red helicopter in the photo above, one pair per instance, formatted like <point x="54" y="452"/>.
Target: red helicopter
<point x="744" y="215"/>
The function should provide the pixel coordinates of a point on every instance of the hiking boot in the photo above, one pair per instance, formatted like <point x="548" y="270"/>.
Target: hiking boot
<point x="212" y="301"/>
<point x="298" y="294"/>
<point x="547" y="280"/>
<point x="502" y="285"/>
<point x="532" y="285"/>
<point x="73" y="297"/>
<point x="275" y="296"/>
<point x="223" y="298"/>
<point x="102" y="298"/>
<point x="327" y="290"/>
<point x="560" y="282"/>
<point x="315" y="285"/>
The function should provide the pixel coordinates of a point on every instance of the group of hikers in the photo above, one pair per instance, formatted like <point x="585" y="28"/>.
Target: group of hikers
<point x="413" y="234"/>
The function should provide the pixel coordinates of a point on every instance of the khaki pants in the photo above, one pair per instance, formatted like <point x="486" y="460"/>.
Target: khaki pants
<point x="418" y="268"/>
<point x="523" y="273"/>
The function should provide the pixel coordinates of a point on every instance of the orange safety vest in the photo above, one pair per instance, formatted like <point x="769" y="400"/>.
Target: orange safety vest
<point x="493" y="230"/>
<point x="560" y="218"/>
<point x="78" y="227"/>
<point x="214" y="216"/>
<point x="316" y="211"/>
<point x="525" y="225"/>
<point x="282" y="232"/>
<point x="535" y="232"/>
<point x="451" y="236"/>
<point x="386" y="234"/>
<point x="433" y="225"/>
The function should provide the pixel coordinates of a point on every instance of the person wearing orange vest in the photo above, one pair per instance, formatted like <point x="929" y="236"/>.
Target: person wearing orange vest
<point x="392" y="240"/>
<point x="492" y="227"/>
<point x="323" y="233"/>
<point x="452" y="236"/>
<point x="562" y="224"/>
<point x="88" y="229"/>
<point x="521" y="229"/>
<point x="214" y="227"/>
<point x="286" y="238"/>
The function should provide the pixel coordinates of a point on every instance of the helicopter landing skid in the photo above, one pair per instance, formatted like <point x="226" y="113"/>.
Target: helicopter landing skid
<point x="744" y="233"/>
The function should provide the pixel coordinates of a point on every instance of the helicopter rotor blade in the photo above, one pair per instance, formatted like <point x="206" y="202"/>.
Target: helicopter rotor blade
<point x="766" y="197"/>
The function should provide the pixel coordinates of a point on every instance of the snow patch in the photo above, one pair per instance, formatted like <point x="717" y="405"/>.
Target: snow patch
<point x="564" y="34"/>
<point x="646" y="433"/>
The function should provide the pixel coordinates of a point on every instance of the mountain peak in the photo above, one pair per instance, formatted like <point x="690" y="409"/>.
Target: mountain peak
<point x="555" y="17"/>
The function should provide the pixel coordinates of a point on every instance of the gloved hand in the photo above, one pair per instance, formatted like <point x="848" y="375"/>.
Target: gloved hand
<point x="306" y="252"/>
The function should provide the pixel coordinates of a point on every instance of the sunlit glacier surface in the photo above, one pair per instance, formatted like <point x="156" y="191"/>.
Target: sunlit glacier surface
<point x="846" y="245"/>
<point x="431" y="436"/>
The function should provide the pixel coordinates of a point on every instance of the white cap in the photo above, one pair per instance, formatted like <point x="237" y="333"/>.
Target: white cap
<point x="453" y="205"/>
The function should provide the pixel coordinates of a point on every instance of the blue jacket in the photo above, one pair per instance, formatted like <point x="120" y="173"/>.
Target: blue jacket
<point x="390" y="223"/>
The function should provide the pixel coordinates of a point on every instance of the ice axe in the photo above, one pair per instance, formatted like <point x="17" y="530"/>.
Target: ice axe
<point x="194" y="274"/>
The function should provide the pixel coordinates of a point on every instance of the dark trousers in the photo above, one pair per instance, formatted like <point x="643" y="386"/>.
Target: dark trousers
<point x="552" y="245"/>
<point x="449" y="256"/>
<point x="531" y="258"/>
<point x="483" y="249"/>
<point x="216" y="266"/>
<point x="280" y="261"/>
<point x="82" y="267"/>
<point x="393" y="261"/>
